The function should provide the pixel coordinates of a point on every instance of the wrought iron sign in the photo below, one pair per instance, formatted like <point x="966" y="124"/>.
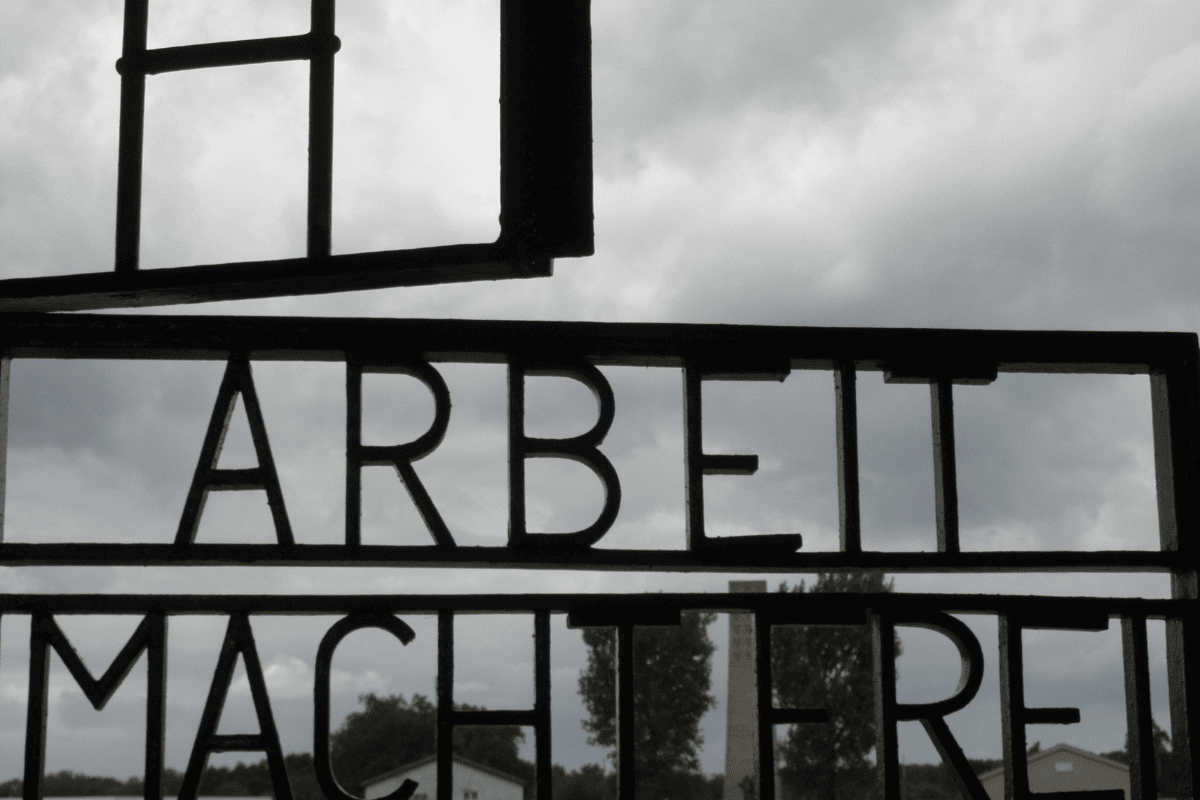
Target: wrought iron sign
<point x="940" y="358"/>
<point x="545" y="171"/>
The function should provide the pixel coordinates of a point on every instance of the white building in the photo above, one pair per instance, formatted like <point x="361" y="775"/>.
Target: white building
<point x="472" y="781"/>
<point x="1064" y="768"/>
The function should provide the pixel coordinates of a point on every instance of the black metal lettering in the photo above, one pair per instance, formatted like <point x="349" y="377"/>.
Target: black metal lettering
<point x="149" y="636"/>
<point x="583" y="448"/>
<point x="239" y="638"/>
<point x="931" y="715"/>
<point x="400" y="456"/>
<point x="697" y="464"/>
<point x="208" y="477"/>
<point x="321" y="743"/>
<point x="1014" y="716"/>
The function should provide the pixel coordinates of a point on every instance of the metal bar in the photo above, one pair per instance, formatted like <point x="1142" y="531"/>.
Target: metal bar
<point x="242" y="280"/>
<point x="543" y="767"/>
<point x="764" y="706"/>
<point x="1175" y="400"/>
<point x="626" y="737"/>
<point x="354" y="381"/>
<point x="129" y="145"/>
<point x="445" y="705"/>
<point x="732" y="559"/>
<point x="5" y="387"/>
<point x="227" y="54"/>
<point x="945" y="478"/>
<point x="495" y="717"/>
<point x="627" y="344"/>
<point x="883" y="640"/>
<point x="546" y="126"/>
<point x="846" y="399"/>
<point x="38" y="707"/>
<point x="156" y="707"/>
<point x="795" y="608"/>
<point x="693" y="457"/>
<point x="1012" y="706"/>
<point x="320" y="129"/>
<point x="1139" y="722"/>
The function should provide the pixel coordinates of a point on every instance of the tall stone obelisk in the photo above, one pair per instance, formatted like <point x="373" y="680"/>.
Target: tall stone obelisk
<point x="741" y="721"/>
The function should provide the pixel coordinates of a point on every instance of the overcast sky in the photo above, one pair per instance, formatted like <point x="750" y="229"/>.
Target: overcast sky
<point x="1014" y="164"/>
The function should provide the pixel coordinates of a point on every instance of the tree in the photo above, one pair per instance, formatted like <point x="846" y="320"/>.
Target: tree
<point x="1171" y="768"/>
<point x="390" y="732"/>
<point x="671" y="692"/>
<point x="828" y="667"/>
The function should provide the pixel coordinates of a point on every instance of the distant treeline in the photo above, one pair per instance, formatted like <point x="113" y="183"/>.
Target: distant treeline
<point x="590" y="782"/>
<point x="244" y="780"/>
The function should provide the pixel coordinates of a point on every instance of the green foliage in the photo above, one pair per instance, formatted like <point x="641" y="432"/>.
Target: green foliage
<point x="390" y="732"/>
<point x="1171" y="768"/>
<point x="671" y="692"/>
<point x="828" y="667"/>
<point x="591" y="782"/>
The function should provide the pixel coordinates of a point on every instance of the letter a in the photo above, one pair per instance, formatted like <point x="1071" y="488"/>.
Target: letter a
<point x="208" y="478"/>
<point x="239" y="638"/>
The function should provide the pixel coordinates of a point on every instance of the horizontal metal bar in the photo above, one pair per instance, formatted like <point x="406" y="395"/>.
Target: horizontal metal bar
<point x="420" y="266"/>
<point x="772" y="604"/>
<point x="729" y="558"/>
<point x="228" y="54"/>
<point x="496" y="717"/>
<point x="1051" y="716"/>
<point x="492" y="341"/>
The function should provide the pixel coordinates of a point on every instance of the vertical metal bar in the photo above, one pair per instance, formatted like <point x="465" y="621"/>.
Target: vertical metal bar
<point x="353" y="451"/>
<point x="1175" y="403"/>
<point x="320" y="129"/>
<point x="516" y="451"/>
<point x="156" y="706"/>
<point x="846" y="398"/>
<point x="445" y="709"/>
<point x="883" y="640"/>
<point x="546" y="127"/>
<point x="38" y="708"/>
<point x="541" y="703"/>
<point x="1164" y="469"/>
<point x="626" y="768"/>
<point x="129" y="147"/>
<point x="1183" y="653"/>
<point x="693" y="456"/>
<point x="764" y="705"/>
<point x="945" y="479"/>
<point x="1012" y="708"/>
<point x="1139" y="721"/>
<point x="5" y="384"/>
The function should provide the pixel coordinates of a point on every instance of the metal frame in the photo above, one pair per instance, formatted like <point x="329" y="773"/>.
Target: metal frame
<point x="883" y="613"/>
<point x="545" y="172"/>
<point x="938" y="358"/>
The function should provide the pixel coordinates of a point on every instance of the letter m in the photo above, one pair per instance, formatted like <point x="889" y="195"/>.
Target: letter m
<point x="150" y="636"/>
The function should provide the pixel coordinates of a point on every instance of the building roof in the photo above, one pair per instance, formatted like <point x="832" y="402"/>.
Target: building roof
<point x="412" y="765"/>
<point x="1058" y="750"/>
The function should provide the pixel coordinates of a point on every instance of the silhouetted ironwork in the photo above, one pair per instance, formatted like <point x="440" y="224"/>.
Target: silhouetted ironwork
<point x="545" y="171"/>
<point x="940" y="358"/>
<point x="883" y="613"/>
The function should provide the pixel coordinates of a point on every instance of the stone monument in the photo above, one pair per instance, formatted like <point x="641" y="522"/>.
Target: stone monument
<point x="741" y="721"/>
